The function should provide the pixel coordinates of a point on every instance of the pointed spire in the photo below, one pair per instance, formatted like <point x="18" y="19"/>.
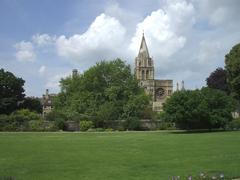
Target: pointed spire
<point x="183" y="88"/>
<point x="143" y="47"/>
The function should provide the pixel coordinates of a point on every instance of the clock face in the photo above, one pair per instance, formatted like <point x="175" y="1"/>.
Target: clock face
<point x="160" y="92"/>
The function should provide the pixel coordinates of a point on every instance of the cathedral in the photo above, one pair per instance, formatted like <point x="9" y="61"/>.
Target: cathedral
<point x="158" y="89"/>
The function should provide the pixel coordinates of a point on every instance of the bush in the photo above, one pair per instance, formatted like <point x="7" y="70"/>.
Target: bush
<point x="36" y="125"/>
<point x="166" y="126"/>
<point x="58" y="118"/>
<point x="18" y="120"/>
<point x="109" y="130"/>
<point x="199" y="109"/>
<point x="85" y="125"/>
<point x="234" y="124"/>
<point x="132" y="123"/>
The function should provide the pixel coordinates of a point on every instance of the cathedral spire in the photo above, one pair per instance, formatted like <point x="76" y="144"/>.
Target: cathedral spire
<point x="143" y="47"/>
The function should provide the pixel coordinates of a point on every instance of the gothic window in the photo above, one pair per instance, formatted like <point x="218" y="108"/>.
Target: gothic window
<point x="142" y="74"/>
<point x="147" y="74"/>
<point x="139" y="63"/>
<point x="149" y="63"/>
<point x="169" y="92"/>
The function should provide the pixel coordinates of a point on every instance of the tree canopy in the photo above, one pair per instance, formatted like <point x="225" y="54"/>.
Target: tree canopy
<point x="199" y="109"/>
<point x="107" y="91"/>
<point x="218" y="80"/>
<point x="31" y="103"/>
<point x="11" y="92"/>
<point x="232" y="65"/>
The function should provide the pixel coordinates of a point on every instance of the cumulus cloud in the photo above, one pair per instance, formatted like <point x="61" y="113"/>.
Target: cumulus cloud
<point x="103" y="40"/>
<point x="43" y="39"/>
<point x="220" y="12"/>
<point x="165" y="29"/>
<point x="53" y="82"/>
<point x="25" y="51"/>
<point x="42" y="70"/>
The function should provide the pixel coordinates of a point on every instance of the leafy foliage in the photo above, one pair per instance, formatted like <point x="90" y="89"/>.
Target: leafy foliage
<point x="58" y="118"/>
<point x="234" y="125"/>
<point x="18" y="120"/>
<point x="105" y="92"/>
<point x="232" y="65"/>
<point x="85" y="125"/>
<point x="33" y="104"/>
<point x="205" y="108"/>
<point x="218" y="80"/>
<point x="11" y="92"/>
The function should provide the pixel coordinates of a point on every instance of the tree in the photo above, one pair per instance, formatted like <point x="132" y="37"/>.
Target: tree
<point x="218" y="80"/>
<point x="105" y="92"/>
<point x="11" y="92"/>
<point x="33" y="104"/>
<point x="199" y="109"/>
<point x="232" y="65"/>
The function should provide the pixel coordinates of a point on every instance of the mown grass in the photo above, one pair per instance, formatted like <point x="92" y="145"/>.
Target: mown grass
<point x="121" y="155"/>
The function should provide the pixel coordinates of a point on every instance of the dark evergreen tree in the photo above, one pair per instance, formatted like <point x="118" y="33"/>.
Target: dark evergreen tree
<point x="218" y="80"/>
<point x="11" y="92"/>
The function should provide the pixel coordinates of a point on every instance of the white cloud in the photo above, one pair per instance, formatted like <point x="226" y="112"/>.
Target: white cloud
<point x="25" y="51"/>
<point x="220" y="13"/>
<point x="165" y="29"/>
<point x="42" y="70"/>
<point x="103" y="40"/>
<point x="43" y="39"/>
<point x="53" y="82"/>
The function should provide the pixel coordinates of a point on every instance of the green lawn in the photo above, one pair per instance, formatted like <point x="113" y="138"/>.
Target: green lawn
<point x="122" y="155"/>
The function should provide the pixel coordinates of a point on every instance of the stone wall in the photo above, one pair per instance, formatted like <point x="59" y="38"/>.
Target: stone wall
<point x="145" y="124"/>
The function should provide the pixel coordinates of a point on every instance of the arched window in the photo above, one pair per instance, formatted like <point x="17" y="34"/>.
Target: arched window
<point x="142" y="74"/>
<point x="147" y="74"/>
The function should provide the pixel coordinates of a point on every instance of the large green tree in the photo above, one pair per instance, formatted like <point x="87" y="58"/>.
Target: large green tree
<point x="107" y="91"/>
<point x="199" y="109"/>
<point x="11" y="92"/>
<point x="232" y="65"/>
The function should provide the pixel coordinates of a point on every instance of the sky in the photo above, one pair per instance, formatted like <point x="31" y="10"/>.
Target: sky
<point x="42" y="41"/>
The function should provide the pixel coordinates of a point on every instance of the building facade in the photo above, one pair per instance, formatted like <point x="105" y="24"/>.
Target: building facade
<point x="47" y="102"/>
<point x="158" y="89"/>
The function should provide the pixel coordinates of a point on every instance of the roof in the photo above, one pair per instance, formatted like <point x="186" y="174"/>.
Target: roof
<point x="143" y="47"/>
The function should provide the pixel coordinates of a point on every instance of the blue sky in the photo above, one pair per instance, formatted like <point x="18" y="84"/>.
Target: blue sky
<point x="42" y="41"/>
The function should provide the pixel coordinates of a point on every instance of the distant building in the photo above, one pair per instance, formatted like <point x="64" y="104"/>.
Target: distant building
<point x="160" y="90"/>
<point x="47" y="102"/>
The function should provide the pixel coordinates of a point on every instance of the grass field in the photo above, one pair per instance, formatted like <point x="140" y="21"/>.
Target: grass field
<point x="123" y="155"/>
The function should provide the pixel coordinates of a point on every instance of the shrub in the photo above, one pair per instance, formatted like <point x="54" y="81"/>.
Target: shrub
<point x="166" y="126"/>
<point x="85" y="125"/>
<point x="36" y="125"/>
<point x="109" y="130"/>
<point x="50" y="126"/>
<point x="55" y="115"/>
<point x="234" y="124"/>
<point x="199" y="109"/>
<point x="4" y="122"/>
<point x="58" y="118"/>
<point x="99" y="129"/>
<point x="24" y="115"/>
<point x="132" y="123"/>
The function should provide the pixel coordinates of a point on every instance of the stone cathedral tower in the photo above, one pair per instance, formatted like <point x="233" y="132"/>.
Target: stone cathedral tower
<point x="144" y="71"/>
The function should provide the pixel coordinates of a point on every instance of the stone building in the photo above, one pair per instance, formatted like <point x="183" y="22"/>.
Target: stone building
<point x="47" y="102"/>
<point x="158" y="89"/>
